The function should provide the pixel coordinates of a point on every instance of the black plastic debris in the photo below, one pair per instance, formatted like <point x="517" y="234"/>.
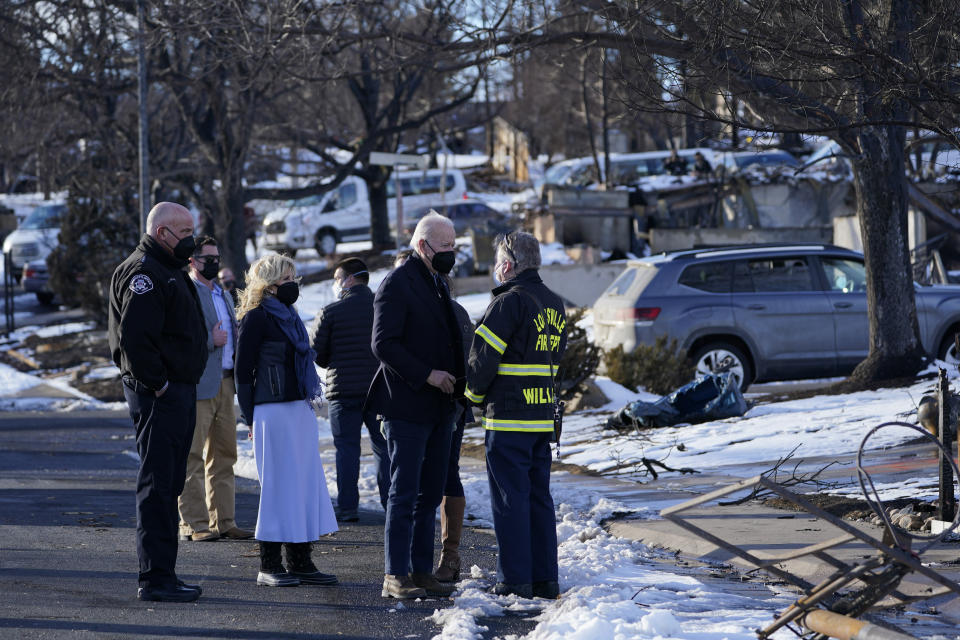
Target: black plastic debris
<point x="711" y="397"/>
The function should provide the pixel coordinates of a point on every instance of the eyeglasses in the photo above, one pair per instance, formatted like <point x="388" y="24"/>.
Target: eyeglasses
<point x="208" y="259"/>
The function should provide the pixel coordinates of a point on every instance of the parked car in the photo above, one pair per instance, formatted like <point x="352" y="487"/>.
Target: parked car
<point x="36" y="236"/>
<point x="937" y="157"/>
<point x="630" y="168"/>
<point x="343" y="215"/>
<point x="739" y="161"/>
<point x="764" y="312"/>
<point x="465" y="214"/>
<point x="36" y="279"/>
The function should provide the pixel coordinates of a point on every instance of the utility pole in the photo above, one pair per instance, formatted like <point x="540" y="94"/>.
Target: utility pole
<point x="143" y="137"/>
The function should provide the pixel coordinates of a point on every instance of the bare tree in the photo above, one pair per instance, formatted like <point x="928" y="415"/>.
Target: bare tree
<point x="218" y="64"/>
<point x="370" y="88"/>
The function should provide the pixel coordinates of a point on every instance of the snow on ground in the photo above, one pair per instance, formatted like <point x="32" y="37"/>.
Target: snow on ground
<point x="52" y="330"/>
<point x="12" y="381"/>
<point x="816" y="426"/>
<point x="612" y="587"/>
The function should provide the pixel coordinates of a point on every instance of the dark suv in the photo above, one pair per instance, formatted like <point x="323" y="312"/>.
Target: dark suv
<point x="771" y="312"/>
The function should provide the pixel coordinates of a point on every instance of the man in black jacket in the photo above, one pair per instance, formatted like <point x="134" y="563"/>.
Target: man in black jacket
<point x="417" y="340"/>
<point x="158" y="340"/>
<point x="341" y="338"/>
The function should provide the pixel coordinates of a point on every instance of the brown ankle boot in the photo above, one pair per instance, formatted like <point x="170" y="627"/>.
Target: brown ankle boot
<point x="401" y="587"/>
<point x="431" y="585"/>
<point x="451" y="528"/>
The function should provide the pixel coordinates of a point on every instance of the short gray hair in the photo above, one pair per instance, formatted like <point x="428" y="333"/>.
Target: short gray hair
<point x="520" y="248"/>
<point x="427" y="224"/>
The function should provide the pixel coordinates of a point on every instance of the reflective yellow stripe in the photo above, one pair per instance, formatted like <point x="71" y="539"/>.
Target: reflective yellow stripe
<point x="471" y="396"/>
<point x="497" y="424"/>
<point x="492" y="339"/>
<point x="524" y="370"/>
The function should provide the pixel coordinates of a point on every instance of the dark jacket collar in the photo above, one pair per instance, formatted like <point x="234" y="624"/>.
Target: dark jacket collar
<point x="150" y="246"/>
<point x="529" y="276"/>
<point x="357" y="290"/>
<point x="415" y="269"/>
<point x="421" y="267"/>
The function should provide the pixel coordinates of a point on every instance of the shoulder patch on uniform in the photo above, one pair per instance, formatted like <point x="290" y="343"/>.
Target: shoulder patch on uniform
<point x="141" y="283"/>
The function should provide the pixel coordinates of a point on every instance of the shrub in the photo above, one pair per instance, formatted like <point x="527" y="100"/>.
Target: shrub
<point x="93" y="241"/>
<point x="579" y="361"/>
<point x="659" y="368"/>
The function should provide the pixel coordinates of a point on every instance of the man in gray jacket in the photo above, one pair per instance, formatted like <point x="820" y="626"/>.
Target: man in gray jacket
<point x="207" y="504"/>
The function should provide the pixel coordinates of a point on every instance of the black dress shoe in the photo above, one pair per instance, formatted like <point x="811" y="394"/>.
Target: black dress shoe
<point x="346" y="516"/>
<point x="174" y="593"/>
<point x="505" y="589"/>
<point x="548" y="589"/>
<point x="195" y="587"/>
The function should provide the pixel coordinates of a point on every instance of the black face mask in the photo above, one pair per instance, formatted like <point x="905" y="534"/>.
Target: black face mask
<point x="210" y="269"/>
<point x="229" y="285"/>
<point x="288" y="292"/>
<point x="185" y="246"/>
<point x="442" y="261"/>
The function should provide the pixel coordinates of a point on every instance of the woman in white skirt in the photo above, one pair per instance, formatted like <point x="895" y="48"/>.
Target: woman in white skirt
<point x="276" y="381"/>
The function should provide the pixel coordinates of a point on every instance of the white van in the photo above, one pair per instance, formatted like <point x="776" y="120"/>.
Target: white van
<point x="343" y="215"/>
<point x="36" y="236"/>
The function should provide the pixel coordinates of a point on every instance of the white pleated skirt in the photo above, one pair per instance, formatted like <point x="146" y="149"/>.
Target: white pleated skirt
<point x="294" y="503"/>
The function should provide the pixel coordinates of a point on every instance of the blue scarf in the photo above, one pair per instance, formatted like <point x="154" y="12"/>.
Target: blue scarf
<point x="292" y="327"/>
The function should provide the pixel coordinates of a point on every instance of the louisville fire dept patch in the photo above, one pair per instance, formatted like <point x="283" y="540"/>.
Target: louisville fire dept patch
<point x="141" y="283"/>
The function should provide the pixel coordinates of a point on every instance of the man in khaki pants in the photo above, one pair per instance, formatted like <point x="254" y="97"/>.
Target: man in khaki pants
<point x="207" y="503"/>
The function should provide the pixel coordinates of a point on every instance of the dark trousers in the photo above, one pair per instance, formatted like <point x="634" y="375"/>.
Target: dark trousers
<point x="453" y="486"/>
<point x="518" y="468"/>
<point x="418" y="467"/>
<point x="164" y="433"/>
<point x="346" y="419"/>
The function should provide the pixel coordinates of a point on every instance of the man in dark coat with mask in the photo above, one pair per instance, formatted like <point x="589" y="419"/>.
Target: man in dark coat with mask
<point x="341" y="338"/>
<point x="417" y="340"/>
<point x="158" y="340"/>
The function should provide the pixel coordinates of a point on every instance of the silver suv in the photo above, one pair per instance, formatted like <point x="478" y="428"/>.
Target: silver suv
<point x="770" y="312"/>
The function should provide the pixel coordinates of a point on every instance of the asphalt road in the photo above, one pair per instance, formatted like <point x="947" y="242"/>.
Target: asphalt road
<point x="68" y="560"/>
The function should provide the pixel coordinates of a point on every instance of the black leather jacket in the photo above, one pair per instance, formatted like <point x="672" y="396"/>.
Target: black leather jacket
<point x="264" y="371"/>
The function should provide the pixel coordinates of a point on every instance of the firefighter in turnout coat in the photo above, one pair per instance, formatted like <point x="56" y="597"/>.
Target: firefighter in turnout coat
<point x="513" y="357"/>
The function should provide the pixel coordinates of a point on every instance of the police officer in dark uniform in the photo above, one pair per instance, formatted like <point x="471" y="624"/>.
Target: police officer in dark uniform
<point x="513" y="358"/>
<point x="158" y="340"/>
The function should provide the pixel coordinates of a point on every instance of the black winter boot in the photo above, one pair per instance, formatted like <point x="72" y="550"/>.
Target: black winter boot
<point x="272" y="573"/>
<point x="300" y="566"/>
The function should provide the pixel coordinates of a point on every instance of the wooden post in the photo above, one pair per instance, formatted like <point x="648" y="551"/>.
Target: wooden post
<point x="9" y="282"/>
<point x="948" y="504"/>
<point x="398" y="216"/>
